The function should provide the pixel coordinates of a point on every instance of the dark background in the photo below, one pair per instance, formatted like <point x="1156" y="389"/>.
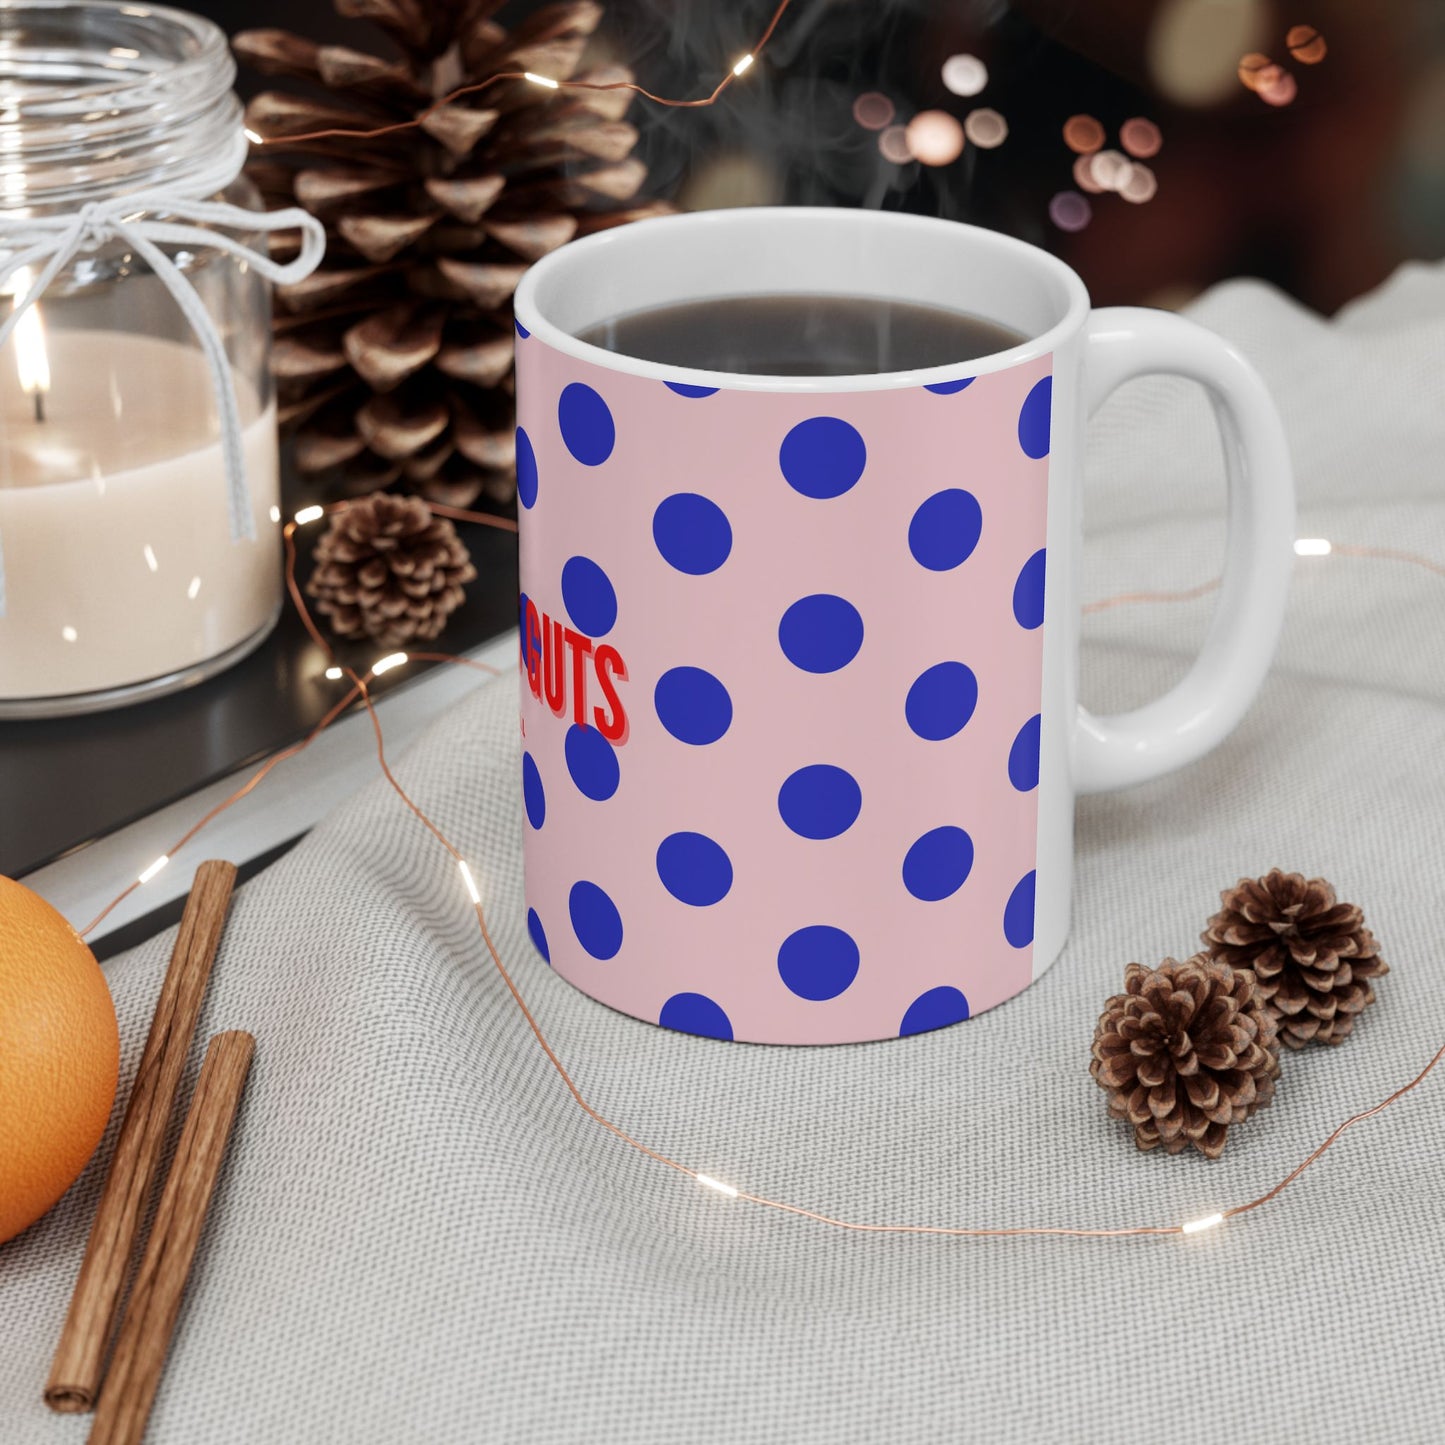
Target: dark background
<point x="1323" y="196"/>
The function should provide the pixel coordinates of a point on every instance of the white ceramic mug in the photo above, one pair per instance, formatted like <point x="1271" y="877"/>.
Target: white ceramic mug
<point x="800" y="654"/>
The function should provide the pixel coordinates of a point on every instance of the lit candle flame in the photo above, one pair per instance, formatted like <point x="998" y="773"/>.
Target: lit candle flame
<point x="32" y="361"/>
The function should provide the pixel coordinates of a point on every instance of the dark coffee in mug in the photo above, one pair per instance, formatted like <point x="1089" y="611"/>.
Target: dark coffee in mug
<point x="801" y="335"/>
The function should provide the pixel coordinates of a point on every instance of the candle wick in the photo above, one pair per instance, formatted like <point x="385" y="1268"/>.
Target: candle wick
<point x="39" y="404"/>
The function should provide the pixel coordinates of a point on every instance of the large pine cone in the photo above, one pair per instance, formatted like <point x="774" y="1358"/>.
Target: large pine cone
<point x="388" y="570"/>
<point x="1313" y="956"/>
<point x="394" y="360"/>
<point x="1185" y="1051"/>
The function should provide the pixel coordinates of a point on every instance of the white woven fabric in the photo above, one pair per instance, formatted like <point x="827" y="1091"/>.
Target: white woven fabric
<point x="418" y="1236"/>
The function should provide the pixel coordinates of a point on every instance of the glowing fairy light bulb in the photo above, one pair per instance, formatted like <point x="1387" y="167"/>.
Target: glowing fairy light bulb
<point x="256" y="140"/>
<point x="708" y="1182"/>
<point x="1312" y="547"/>
<point x="743" y="63"/>
<point x="148" y="873"/>
<point x="385" y="664"/>
<point x="542" y="80"/>
<point x="471" y="882"/>
<point x="1198" y="1226"/>
<point x="309" y="514"/>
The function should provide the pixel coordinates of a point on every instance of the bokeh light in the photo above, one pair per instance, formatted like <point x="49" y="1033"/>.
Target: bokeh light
<point x="1070" y="211"/>
<point x="934" y="137"/>
<point x="894" y="145"/>
<point x="1194" y="46"/>
<point x="1252" y="66"/>
<point x="964" y="74"/>
<point x="1140" y="137"/>
<point x="1278" y="89"/>
<point x="1084" y="175"/>
<point x="1306" y="44"/>
<point x="985" y="128"/>
<point x="1083" y="134"/>
<point x="1110" y="170"/>
<point x="873" y="110"/>
<point x="1140" y="185"/>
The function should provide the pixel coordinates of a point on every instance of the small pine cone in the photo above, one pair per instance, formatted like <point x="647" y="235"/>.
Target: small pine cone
<point x="387" y="569"/>
<point x="1184" y="1052"/>
<point x="1313" y="957"/>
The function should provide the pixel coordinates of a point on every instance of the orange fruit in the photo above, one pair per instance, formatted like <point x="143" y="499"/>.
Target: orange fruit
<point x="59" y="1056"/>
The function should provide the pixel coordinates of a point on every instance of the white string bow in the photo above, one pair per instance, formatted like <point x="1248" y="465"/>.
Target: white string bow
<point x="52" y="242"/>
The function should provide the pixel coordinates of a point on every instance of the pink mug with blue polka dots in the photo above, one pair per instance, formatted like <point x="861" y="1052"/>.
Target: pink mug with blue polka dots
<point x="801" y="739"/>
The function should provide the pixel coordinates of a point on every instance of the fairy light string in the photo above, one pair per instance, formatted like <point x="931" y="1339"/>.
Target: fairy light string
<point x="359" y="691"/>
<point x="546" y="82"/>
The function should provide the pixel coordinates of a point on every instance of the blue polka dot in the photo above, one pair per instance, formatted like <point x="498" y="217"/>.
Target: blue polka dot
<point x="820" y="801"/>
<point x="1023" y="757"/>
<point x="526" y="470"/>
<point x="948" y="388"/>
<point x="694" y="869"/>
<point x="1034" y="419"/>
<point x="692" y="705"/>
<point x="821" y="633"/>
<point x="595" y="920"/>
<point x="1029" y="592"/>
<point x="945" y="530"/>
<point x="692" y="533"/>
<point x="941" y="701"/>
<point x="521" y="330"/>
<point x="588" y="596"/>
<point x="684" y="388"/>
<point x="532" y="795"/>
<point x="818" y="962"/>
<point x="586" y="423"/>
<point x="822" y="457"/>
<point x="695" y="1013"/>
<point x="538" y="934"/>
<point x="1018" y="914"/>
<point x="592" y="762"/>
<point x="938" y="864"/>
<point x="935" y="1009"/>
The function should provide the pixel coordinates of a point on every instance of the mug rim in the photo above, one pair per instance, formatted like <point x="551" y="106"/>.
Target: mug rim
<point x="530" y="316"/>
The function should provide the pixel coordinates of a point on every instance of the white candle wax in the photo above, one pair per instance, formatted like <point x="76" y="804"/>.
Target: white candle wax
<point x="119" y="562"/>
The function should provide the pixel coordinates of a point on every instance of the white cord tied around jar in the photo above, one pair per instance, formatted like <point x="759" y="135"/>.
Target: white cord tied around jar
<point x="52" y="242"/>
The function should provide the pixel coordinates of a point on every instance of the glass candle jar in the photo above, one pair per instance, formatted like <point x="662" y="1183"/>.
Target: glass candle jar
<point x="129" y="571"/>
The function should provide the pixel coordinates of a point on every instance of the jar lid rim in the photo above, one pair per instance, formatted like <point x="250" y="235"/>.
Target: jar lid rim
<point x="208" y="46"/>
<point x="125" y="96"/>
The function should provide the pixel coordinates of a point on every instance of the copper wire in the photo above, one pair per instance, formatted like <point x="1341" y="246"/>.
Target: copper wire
<point x="359" y="690"/>
<point x="1129" y="599"/>
<point x="417" y="120"/>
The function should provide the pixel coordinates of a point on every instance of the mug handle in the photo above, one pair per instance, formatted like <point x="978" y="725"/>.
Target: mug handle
<point x="1124" y="342"/>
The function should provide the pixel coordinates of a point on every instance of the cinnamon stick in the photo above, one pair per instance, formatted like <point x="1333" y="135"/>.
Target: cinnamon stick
<point x="79" y="1362"/>
<point x="155" y="1298"/>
